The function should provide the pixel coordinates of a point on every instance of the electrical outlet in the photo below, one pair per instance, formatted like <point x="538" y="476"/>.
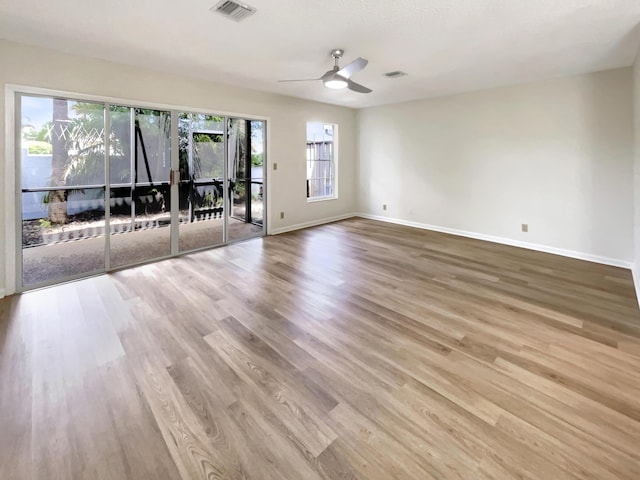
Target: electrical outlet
<point x="275" y="166"/>
<point x="525" y="227"/>
<point x="384" y="206"/>
<point x="281" y="215"/>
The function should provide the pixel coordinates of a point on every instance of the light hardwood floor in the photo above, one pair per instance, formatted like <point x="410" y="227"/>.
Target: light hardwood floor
<point x="353" y="350"/>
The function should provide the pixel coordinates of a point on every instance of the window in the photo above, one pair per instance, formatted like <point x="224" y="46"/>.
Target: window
<point x="321" y="161"/>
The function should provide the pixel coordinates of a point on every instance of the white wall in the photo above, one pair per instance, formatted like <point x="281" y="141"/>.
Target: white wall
<point x="36" y="67"/>
<point x="636" y="171"/>
<point x="556" y="155"/>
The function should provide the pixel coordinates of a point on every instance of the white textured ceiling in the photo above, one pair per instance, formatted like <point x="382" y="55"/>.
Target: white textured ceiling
<point x="446" y="46"/>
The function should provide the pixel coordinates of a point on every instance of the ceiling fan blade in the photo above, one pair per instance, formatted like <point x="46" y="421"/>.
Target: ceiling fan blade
<point x="301" y="80"/>
<point x="355" y="66"/>
<point x="356" y="87"/>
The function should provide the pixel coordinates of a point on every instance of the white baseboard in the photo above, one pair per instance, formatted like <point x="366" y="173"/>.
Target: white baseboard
<point x="636" y="280"/>
<point x="1" y="292"/>
<point x="312" y="223"/>
<point x="507" y="241"/>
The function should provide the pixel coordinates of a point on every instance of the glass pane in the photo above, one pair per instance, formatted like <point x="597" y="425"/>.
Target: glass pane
<point x="238" y="175"/>
<point x="139" y="166"/>
<point x="153" y="144"/>
<point x="62" y="165"/>
<point x="257" y="171"/>
<point x="201" y="190"/>
<point x="120" y="146"/>
<point x="246" y="185"/>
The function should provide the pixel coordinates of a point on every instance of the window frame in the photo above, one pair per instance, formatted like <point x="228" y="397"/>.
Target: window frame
<point x="335" y="151"/>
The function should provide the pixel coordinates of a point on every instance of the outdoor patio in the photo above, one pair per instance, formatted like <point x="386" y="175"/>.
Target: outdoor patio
<point x="76" y="252"/>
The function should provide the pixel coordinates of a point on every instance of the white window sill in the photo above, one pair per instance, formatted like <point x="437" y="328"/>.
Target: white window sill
<point x="321" y="199"/>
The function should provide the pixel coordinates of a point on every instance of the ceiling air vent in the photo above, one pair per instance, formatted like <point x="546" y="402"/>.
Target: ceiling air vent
<point x="395" y="74"/>
<point x="233" y="10"/>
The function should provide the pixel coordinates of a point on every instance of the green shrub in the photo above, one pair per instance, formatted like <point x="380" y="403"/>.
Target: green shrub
<point x="36" y="147"/>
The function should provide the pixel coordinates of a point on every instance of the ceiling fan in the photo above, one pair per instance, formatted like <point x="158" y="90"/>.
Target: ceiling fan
<point x="337" y="77"/>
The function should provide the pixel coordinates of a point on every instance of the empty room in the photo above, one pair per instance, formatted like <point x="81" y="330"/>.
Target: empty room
<point x="335" y="239"/>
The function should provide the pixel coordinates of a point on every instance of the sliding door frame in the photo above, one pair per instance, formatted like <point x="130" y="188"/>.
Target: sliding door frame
<point x="13" y="194"/>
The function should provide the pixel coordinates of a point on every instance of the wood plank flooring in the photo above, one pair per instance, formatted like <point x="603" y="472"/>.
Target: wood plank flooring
<point x="355" y="350"/>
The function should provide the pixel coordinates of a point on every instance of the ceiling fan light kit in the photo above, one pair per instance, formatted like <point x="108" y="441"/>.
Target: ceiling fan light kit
<point x="336" y="82"/>
<point x="338" y="78"/>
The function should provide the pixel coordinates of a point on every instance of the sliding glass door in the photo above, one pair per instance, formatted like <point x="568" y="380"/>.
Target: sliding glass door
<point x="221" y="180"/>
<point x="175" y="182"/>
<point x="202" y="181"/>
<point x="62" y="172"/>
<point x="139" y="189"/>
<point x="245" y="160"/>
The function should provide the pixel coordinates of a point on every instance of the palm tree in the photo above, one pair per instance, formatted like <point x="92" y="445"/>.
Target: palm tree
<point x="59" y="161"/>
